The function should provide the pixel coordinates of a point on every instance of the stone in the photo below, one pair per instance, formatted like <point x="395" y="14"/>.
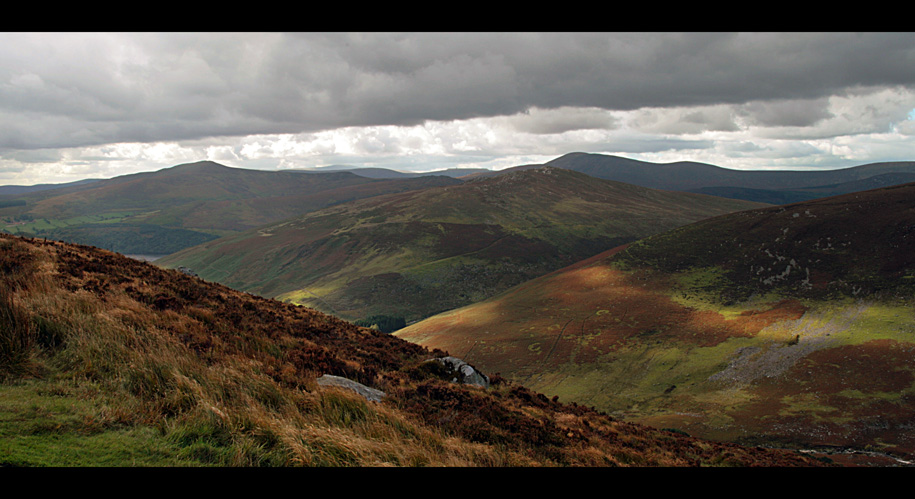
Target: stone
<point x="463" y="372"/>
<point x="370" y="394"/>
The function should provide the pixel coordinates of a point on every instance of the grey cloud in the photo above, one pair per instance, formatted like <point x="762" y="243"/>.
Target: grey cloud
<point x="31" y="155"/>
<point x="75" y="89"/>
<point x="648" y="144"/>
<point x="555" y="121"/>
<point x="685" y="120"/>
<point x="794" y="113"/>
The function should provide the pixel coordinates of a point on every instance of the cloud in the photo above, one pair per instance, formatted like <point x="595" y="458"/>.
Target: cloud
<point x="279" y="100"/>
<point x="854" y="112"/>
<point x="86" y="88"/>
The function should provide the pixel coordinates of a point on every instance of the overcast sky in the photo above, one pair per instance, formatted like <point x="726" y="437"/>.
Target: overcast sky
<point x="78" y="105"/>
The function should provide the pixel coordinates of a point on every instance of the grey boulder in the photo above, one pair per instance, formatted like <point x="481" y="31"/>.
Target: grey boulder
<point x="370" y="394"/>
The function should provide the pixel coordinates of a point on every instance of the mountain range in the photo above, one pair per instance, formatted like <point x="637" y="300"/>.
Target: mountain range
<point x="420" y="252"/>
<point x="174" y="208"/>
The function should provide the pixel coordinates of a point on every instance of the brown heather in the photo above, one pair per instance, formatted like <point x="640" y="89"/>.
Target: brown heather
<point x="228" y="378"/>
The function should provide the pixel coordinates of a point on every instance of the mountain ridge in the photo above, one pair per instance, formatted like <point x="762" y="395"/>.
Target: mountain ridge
<point x="438" y="248"/>
<point x="186" y="204"/>
<point x="686" y="175"/>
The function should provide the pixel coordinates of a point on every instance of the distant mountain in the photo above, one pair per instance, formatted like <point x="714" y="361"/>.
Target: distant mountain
<point x="187" y="204"/>
<point x="790" y="325"/>
<point x="787" y="196"/>
<point x="362" y="172"/>
<point x="424" y="251"/>
<point x="12" y="190"/>
<point x="769" y="186"/>
<point x="108" y="361"/>
<point x="371" y="172"/>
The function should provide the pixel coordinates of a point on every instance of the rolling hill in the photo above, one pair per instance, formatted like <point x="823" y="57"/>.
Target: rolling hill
<point x="185" y="205"/>
<point x="375" y="172"/>
<point x="763" y="186"/>
<point x="689" y="175"/>
<point x="109" y="361"/>
<point x="791" y="325"/>
<point x="420" y="252"/>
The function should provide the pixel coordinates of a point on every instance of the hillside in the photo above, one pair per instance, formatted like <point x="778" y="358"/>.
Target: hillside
<point x="421" y="252"/>
<point x="108" y="361"/>
<point x="185" y="205"/>
<point x="12" y="190"/>
<point x="790" y="325"/>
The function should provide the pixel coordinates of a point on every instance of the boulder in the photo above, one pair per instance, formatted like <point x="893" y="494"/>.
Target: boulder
<point x="370" y="394"/>
<point x="463" y="372"/>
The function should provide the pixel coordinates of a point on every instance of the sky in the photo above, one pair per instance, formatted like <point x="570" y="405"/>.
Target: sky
<point x="98" y="105"/>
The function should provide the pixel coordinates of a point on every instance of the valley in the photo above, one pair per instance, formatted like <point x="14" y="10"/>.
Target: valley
<point x="421" y="252"/>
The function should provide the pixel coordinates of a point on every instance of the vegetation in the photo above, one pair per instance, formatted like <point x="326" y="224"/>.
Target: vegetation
<point x="6" y="203"/>
<point x="109" y="361"/>
<point x="782" y="326"/>
<point x="383" y="323"/>
<point x="418" y="253"/>
<point x="178" y="207"/>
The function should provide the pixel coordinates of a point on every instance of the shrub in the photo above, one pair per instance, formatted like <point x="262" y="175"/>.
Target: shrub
<point x="383" y="323"/>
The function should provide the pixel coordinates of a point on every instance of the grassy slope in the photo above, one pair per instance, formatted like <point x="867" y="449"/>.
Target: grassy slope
<point x="422" y="252"/>
<point x="786" y="325"/>
<point x="107" y="361"/>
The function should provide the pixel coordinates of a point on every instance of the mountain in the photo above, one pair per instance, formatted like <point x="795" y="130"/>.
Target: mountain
<point x="790" y="325"/>
<point x="372" y="172"/>
<point x="109" y="361"/>
<point x="177" y="207"/>
<point x="766" y="186"/>
<point x="420" y="252"/>
<point x="11" y="190"/>
<point x="362" y="172"/>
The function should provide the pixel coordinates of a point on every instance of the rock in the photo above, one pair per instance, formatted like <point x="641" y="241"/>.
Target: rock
<point x="370" y="394"/>
<point x="187" y="271"/>
<point x="463" y="372"/>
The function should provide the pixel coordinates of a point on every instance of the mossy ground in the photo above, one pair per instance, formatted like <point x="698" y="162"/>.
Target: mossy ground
<point x="63" y="423"/>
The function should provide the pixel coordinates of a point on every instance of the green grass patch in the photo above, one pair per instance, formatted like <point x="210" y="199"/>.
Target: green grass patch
<point x="61" y="424"/>
<point x="46" y="224"/>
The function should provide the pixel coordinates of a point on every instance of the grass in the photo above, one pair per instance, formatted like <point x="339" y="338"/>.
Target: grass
<point x="426" y="251"/>
<point x="45" y="224"/>
<point x="65" y="423"/>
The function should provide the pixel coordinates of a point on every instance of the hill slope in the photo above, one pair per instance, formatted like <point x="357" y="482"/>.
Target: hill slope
<point x="107" y="361"/>
<point x="422" y="252"/>
<point x="789" y="325"/>
<point x="177" y="207"/>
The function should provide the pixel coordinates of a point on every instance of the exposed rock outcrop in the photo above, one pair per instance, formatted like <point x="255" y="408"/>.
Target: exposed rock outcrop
<point x="463" y="372"/>
<point x="371" y="394"/>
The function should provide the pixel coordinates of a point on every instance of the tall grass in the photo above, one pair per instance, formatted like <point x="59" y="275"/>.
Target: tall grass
<point x="17" y="335"/>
